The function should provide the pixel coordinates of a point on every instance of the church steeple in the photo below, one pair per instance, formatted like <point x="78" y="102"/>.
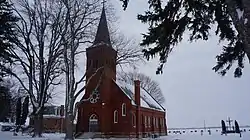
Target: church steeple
<point x="102" y="34"/>
<point x="101" y="53"/>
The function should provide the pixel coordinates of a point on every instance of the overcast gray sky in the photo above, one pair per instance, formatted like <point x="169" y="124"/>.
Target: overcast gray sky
<point x="193" y="92"/>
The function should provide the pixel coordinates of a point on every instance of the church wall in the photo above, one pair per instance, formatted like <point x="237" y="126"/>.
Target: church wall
<point x="111" y="99"/>
<point x="99" y="56"/>
<point x="124" y="125"/>
<point x="85" y="111"/>
<point x="150" y="126"/>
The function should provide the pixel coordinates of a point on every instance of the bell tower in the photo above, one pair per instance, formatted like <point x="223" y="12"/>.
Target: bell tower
<point x="101" y="53"/>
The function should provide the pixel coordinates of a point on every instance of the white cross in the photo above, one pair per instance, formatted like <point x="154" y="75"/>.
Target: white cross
<point x="229" y="121"/>
<point x="103" y="2"/>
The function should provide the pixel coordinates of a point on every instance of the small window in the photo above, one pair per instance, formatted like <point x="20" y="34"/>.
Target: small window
<point x="149" y="122"/>
<point x="163" y="122"/>
<point x="90" y="63"/>
<point x="145" y="121"/>
<point x="115" y="116"/>
<point x="141" y="119"/>
<point x="96" y="64"/>
<point x="123" y="109"/>
<point x="58" y="111"/>
<point x="156" y="120"/>
<point x="133" y="120"/>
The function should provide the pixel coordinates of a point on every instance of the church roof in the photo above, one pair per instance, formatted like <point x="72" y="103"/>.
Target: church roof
<point x="147" y="101"/>
<point x="102" y="34"/>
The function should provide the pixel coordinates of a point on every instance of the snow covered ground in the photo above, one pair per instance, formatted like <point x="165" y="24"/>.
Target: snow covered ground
<point x="215" y="136"/>
<point x="9" y="136"/>
<point x="187" y="136"/>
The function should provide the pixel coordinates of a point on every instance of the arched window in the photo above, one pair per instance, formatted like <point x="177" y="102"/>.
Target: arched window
<point x="156" y="121"/>
<point x="163" y="122"/>
<point x="141" y="119"/>
<point x="93" y="123"/>
<point x="93" y="117"/>
<point x="133" y="120"/>
<point x="96" y="64"/>
<point x="90" y="63"/>
<point x="160" y="122"/>
<point x="115" y="116"/>
<point x="148" y="121"/>
<point x="123" y="109"/>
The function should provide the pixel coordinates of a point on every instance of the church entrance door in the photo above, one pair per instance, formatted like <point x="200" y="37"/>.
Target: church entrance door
<point x="93" y="123"/>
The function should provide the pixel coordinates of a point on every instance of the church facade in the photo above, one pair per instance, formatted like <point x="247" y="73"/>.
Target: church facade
<point x="118" y="109"/>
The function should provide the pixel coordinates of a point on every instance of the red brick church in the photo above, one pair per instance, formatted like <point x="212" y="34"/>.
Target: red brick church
<point x="122" y="110"/>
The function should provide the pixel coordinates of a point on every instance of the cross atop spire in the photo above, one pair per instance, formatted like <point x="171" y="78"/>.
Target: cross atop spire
<point x="102" y="34"/>
<point x="103" y="3"/>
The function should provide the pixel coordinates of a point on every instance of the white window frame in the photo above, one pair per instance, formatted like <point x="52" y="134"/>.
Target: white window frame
<point x="156" y="121"/>
<point x="149" y="124"/>
<point x="163" y="122"/>
<point x="160" y="122"/>
<point x="133" y="120"/>
<point x="124" y="111"/>
<point x="115" y="116"/>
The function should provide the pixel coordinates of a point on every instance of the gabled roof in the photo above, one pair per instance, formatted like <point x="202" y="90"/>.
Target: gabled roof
<point x="147" y="101"/>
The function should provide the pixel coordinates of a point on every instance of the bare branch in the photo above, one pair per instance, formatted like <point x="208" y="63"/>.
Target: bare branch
<point x="89" y="79"/>
<point x="149" y="85"/>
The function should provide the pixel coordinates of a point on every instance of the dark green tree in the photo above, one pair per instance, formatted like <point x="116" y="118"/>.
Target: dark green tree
<point x="18" y="111"/>
<point x="25" y="110"/>
<point x="169" y="21"/>
<point x="7" y="34"/>
<point x="237" y="128"/>
<point x="5" y="103"/>
<point x="223" y="126"/>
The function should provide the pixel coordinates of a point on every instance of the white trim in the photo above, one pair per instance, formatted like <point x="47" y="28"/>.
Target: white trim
<point x="115" y="115"/>
<point x="149" y="122"/>
<point x="133" y="120"/>
<point x="124" y="107"/>
<point x="93" y="117"/>
<point x="156" y="121"/>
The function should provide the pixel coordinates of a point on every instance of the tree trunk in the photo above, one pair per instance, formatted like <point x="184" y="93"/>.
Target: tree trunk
<point x="69" y="127"/>
<point x="38" y="125"/>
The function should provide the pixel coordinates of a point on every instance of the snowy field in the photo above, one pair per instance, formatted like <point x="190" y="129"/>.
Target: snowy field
<point x="187" y="136"/>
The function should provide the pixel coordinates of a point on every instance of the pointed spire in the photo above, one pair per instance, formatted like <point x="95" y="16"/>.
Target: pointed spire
<point x="102" y="34"/>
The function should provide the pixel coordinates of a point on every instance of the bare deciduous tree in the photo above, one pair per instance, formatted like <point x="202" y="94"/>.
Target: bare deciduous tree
<point x="37" y="54"/>
<point x="79" y="16"/>
<point x="129" y="53"/>
<point x="79" y="19"/>
<point x="149" y="85"/>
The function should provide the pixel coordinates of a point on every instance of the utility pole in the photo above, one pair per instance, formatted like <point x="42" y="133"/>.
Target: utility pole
<point x="204" y="125"/>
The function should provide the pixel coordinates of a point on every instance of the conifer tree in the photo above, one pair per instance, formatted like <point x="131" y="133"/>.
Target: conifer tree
<point x="237" y="128"/>
<point x="169" y="19"/>
<point x="18" y="111"/>
<point x="25" y="110"/>
<point x="223" y="126"/>
<point x="5" y="103"/>
<point x="7" y="34"/>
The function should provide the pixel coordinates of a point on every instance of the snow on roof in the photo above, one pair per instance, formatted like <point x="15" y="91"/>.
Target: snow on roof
<point x="147" y="100"/>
